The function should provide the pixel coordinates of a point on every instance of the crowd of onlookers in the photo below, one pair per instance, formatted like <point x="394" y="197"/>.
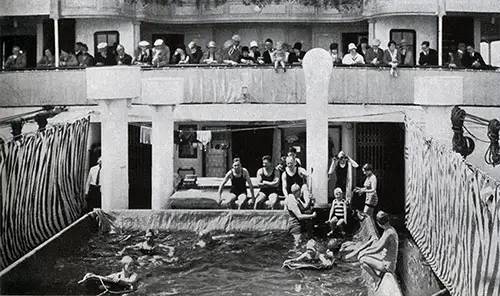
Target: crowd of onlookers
<point x="277" y="54"/>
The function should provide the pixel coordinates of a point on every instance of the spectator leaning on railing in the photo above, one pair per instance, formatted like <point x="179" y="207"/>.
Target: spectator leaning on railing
<point x="267" y="55"/>
<point x="48" y="59"/>
<point x="336" y="54"/>
<point x="406" y="53"/>
<point x="85" y="59"/>
<point x="161" y="54"/>
<point x="255" y="53"/>
<point x="374" y="55"/>
<point x="473" y="59"/>
<point x="103" y="56"/>
<point x="195" y="53"/>
<point x="144" y="54"/>
<point x="67" y="59"/>
<point x="212" y="55"/>
<point x="246" y="59"/>
<point x="428" y="56"/>
<point x="17" y="60"/>
<point x="122" y="58"/>
<point x="353" y="57"/>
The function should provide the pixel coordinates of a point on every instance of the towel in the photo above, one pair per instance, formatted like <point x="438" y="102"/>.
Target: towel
<point x="204" y="137"/>
<point x="145" y="135"/>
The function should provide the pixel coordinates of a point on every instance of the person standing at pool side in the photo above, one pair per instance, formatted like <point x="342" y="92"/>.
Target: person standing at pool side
<point x="93" y="186"/>
<point x="239" y="176"/>
<point x="293" y="153"/>
<point x="298" y="207"/>
<point x="342" y="168"/>
<point x="370" y="189"/>
<point x="379" y="256"/>
<point x="294" y="175"/>
<point x="268" y="180"/>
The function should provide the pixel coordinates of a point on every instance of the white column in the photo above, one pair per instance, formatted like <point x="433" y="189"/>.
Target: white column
<point x="56" y="40"/>
<point x="348" y="138"/>
<point x="39" y="40"/>
<point x="137" y="34"/>
<point x="162" y="178"/>
<point x="477" y="33"/>
<point x="114" y="146"/>
<point x="440" y="39"/>
<point x="276" y="145"/>
<point x="371" y="29"/>
<point x="318" y="67"/>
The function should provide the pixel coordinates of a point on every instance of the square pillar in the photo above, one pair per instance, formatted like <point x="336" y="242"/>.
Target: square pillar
<point x="114" y="147"/>
<point x="276" y="145"/>
<point x="318" y="67"/>
<point x="162" y="179"/>
<point x="113" y="88"/>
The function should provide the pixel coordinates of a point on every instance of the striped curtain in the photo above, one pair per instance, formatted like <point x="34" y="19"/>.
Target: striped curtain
<point x="41" y="186"/>
<point x="453" y="213"/>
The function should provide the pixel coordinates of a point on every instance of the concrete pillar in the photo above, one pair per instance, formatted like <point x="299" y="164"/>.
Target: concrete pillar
<point x="39" y="40"/>
<point x="113" y="88"/>
<point x="276" y="145"/>
<point x="440" y="39"/>
<point x="348" y="139"/>
<point x="371" y="29"/>
<point x="137" y="35"/>
<point x="162" y="179"/>
<point x="318" y="67"/>
<point x="56" y="41"/>
<point x="114" y="145"/>
<point x="477" y="33"/>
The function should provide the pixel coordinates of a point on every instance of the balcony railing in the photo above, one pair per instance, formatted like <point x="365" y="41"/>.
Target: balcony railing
<point x="261" y="85"/>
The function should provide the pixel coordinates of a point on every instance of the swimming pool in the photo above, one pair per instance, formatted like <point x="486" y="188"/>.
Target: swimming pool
<point x="246" y="264"/>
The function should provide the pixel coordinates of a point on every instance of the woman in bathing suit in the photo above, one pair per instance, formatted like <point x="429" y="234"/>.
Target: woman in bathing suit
<point x="149" y="247"/>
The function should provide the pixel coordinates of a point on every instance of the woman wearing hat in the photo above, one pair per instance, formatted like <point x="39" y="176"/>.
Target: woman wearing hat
<point x="297" y="55"/>
<point x="255" y="53"/>
<point x="369" y="189"/>
<point x="212" y="55"/>
<point x="379" y="256"/>
<point x="353" y="57"/>
<point x="406" y="53"/>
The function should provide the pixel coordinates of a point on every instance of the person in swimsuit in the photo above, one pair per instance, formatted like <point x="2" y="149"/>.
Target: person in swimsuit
<point x="268" y="180"/>
<point x="294" y="175"/>
<point x="338" y="213"/>
<point x="149" y="247"/>
<point x="379" y="256"/>
<point x="370" y="189"/>
<point x="312" y="256"/>
<point x="341" y="167"/>
<point x="126" y="278"/>
<point x="299" y="209"/>
<point x="239" y="177"/>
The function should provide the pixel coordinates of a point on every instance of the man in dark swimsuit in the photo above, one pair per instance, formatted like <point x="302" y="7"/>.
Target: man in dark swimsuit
<point x="239" y="176"/>
<point x="268" y="180"/>
<point x="294" y="175"/>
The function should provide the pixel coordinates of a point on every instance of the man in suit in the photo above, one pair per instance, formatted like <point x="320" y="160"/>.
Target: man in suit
<point x="103" y="56"/>
<point x="17" y="60"/>
<point x="78" y="49"/>
<point x="363" y="47"/>
<point x="428" y="56"/>
<point x="473" y="59"/>
<point x="374" y="55"/>
<point x="122" y="58"/>
<point x="93" y="187"/>
<point x="267" y="55"/>
<point x="234" y="51"/>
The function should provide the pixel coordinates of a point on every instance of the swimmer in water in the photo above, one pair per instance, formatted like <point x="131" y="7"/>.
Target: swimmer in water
<point x="312" y="255"/>
<point x="206" y="239"/>
<point x="149" y="246"/>
<point x="126" y="278"/>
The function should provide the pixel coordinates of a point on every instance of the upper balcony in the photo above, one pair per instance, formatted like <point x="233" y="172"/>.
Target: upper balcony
<point x="261" y="85"/>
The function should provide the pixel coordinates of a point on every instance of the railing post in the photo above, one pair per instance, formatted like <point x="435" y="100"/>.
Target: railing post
<point x="56" y="41"/>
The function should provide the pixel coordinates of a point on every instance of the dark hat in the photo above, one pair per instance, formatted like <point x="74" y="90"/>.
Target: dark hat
<point x="382" y="218"/>
<point x="334" y="46"/>
<point x="297" y="46"/>
<point x="245" y="48"/>
<point x="363" y="40"/>
<point x="269" y="40"/>
<point x="79" y="43"/>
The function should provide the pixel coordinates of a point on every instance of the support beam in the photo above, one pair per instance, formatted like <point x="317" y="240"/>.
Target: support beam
<point x="276" y="145"/>
<point x="318" y="67"/>
<point x="114" y="145"/>
<point x="39" y="40"/>
<point x="162" y="178"/>
<point x="56" y="41"/>
<point x="440" y="39"/>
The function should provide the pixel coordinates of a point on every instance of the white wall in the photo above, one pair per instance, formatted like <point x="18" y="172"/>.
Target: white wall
<point x="424" y="26"/>
<point x="85" y="29"/>
<point x="24" y="7"/>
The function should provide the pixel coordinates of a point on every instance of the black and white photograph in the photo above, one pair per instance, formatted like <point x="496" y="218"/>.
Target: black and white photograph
<point x="250" y="147"/>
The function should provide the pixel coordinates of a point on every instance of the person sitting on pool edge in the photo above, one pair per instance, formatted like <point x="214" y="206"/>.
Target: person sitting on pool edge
<point x="379" y="256"/>
<point x="239" y="176"/>
<point x="312" y="256"/>
<point x="126" y="278"/>
<point x="338" y="213"/>
<point x="297" y="206"/>
<point x="149" y="247"/>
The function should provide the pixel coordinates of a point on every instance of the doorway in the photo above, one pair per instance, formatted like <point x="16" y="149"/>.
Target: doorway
<point x="173" y="41"/>
<point x="139" y="170"/>
<point x="382" y="146"/>
<point x="66" y="35"/>
<point x="250" y="146"/>
<point x="25" y="42"/>
<point x="457" y="29"/>
<point x="352" y="38"/>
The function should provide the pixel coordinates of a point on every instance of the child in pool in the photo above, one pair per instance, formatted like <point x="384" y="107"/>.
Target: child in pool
<point x="338" y="213"/>
<point x="149" y="246"/>
<point x="312" y="255"/>
<point x="126" y="278"/>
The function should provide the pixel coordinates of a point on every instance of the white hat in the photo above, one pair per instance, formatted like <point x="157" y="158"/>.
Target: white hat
<point x="375" y="42"/>
<point x="254" y="44"/>
<point x="102" y="45"/>
<point x="211" y="44"/>
<point x="351" y="46"/>
<point x="236" y="38"/>
<point x="158" y="42"/>
<point x="143" y="43"/>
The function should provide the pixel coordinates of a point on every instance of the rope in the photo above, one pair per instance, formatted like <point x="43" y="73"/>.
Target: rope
<point x="492" y="155"/>
<point x="463" y="145"/>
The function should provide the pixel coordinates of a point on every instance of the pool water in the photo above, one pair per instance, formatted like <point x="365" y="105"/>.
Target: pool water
<point x="245" y="264"/>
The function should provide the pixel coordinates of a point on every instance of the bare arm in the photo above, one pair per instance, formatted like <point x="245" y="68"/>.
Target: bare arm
<point x="331" y="213"/>
<point x="259" y="177"/>
<point x="374" y="185"/>
<point x="292" y="206"/>
<point x="331" y="170"/>
<point x="345" y="212"/>
<point x="226" y="178"/>
<point x="249" y="181"/>
<point x="274" y="182"/>
<point x="284" y="183"/>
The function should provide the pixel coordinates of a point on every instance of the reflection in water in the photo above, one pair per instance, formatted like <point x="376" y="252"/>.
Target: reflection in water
<point x="245" y="264"/>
